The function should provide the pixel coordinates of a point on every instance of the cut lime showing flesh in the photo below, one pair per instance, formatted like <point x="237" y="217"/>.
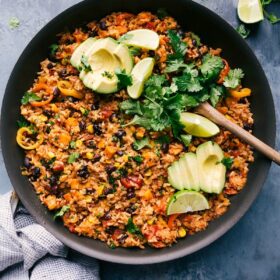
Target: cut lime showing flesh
<point x="141" y="38"/>
<point x="197" y="125"/>
<point x="186" y="201"/>
<point x="250" y="11"/>
<point x="140" y="73"/>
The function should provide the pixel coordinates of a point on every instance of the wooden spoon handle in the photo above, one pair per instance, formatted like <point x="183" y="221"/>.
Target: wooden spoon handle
<point x="211" y="113"/>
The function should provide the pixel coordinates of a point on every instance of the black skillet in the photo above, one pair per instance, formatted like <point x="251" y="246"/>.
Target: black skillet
<point x="215" y="32"/>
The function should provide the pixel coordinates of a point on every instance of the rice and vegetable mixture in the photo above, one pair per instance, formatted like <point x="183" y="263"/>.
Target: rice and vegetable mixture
<point x="99" y="166"/>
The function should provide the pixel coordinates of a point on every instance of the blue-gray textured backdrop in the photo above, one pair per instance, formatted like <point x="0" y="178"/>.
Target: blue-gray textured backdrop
<point x="251" y="250"/>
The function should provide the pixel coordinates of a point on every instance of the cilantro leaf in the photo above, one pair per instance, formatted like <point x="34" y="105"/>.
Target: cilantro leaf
<point x="138" y="159"/>
<point x="227" y="162"/>
<point x="131" y="107"/>
<point x="53" y="49"/>
<point x="135" y="51"/>
<point x="85" y="65"/>
<point x="72" y="145"/>
<point x="163" y="139"/>
<point x="72" y="158"/>
<point x="233" y="79"/>
<point x="22" y="122"/>
<point x="243" y="31"/>
<point x="14" y="22"/>
<point x="179" y="47"/>
<point x="175" y="65"/>
<point x="271" y="17"/>
<point x="216" y="92"/>
<point x="132" y="228"/>
<point x="141" y="143"/>
<point x="186" y="139"/>
<point x="62" y="211"/>
<point x="29" y="97"/>
<point x="124" y="79"/>
<point x="187" y="82"/>
<point x="211" y="66"/>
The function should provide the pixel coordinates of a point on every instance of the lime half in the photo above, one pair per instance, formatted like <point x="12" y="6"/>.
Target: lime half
<point x="141" y="38"/>
<point x="250" y="11"/>
<point x="186" y="201"/>
<point x="140" y="73"/>
<point x="197" y="125"/>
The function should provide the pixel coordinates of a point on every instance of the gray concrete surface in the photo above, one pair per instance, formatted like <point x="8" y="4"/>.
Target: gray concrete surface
<point x="251" y="250"/>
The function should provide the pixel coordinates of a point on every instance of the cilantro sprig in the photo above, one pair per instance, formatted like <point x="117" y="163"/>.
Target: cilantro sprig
<point x="29" y="97"/>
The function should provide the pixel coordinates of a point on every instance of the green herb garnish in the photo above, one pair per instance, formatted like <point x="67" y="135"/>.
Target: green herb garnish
<point x="138" y="159"/>
<point x="53" y="49"/>
<point x="233" y="79"/>
<point x="135" y="51"/>
<point x="29" y="97"/>
<point x="62" y="211"/>
<point x="107" y="74"/>
<point x="132" y="228"/>
<point x="14" y="22"/>
<point x="186" y="139"/>
<point x="72" y="158"/>
<point x="227" y="162"/>
<point x="243" y="31"/>
<point x="72" y="145"/>
<point x="85" y="64"/>
<point x="124" y="79"/>
<point x="141" y="143"/>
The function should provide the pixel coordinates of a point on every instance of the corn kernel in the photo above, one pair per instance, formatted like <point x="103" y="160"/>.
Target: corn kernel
<point x="182" y="232"/>
<point x="89" y="155"/>
<point x="148" y="173"/>
<point x="117" y="164"/>
<point x="51" y="155"/>
<point x="42" y="118"/>
<point x="54" y="108"/>
<point x="88" y="199"/>
<point x="150" y="222"/>
<point x="79" y="143"/>
<point x="148" y="195"/>
<point x="100" y="190"/>
<point x="90" y="128"/>
<point x="125" y="158"/>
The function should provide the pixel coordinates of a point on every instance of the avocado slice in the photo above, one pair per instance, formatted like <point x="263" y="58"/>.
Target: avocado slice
<point x="183" y="173"/>
<point x="212" y="173"/>
<point x="80" y="51"/>
<point x="103" y="56"/>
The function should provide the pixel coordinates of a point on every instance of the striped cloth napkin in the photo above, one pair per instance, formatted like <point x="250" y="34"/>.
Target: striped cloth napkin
<point x="28" y="251"/>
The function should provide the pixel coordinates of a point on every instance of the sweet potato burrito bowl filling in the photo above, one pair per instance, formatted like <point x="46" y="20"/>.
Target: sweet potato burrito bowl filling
<point x="112" y="144"/>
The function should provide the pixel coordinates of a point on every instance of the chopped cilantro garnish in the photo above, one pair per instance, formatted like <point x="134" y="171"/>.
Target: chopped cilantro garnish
<point x="124" y="79"/>
<point x="72" y="158"/>
<point x="22" y="122"/>
<point x="14" y="22"/>
<point x="53" y="49"/>
<point x="62" y="211"/>
<point x="141" y="143"/>
<point x="132" y="228"/>
<point x="85" y="65"/>
<point x="29" y="97"/>
<point x="72" y="144"/>
<point x="232" y="80"/>
<point x="138" y="159"/>
<point x="186" y="139"/>
<point x="227" y="162"/>
<point x="84" y="111"/>
<point x="107" y="74"/>
<point x="243" y="31"/>
<point x="135" y="51"/>
<point x="211" y="66"/>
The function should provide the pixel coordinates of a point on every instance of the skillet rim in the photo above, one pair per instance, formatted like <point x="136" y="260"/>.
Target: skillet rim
<point x="226" y="225"/>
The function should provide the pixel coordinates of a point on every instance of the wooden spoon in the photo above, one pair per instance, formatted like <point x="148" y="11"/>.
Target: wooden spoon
<point x="206" y="110"/>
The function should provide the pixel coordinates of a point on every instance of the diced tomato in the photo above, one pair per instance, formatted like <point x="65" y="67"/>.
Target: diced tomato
<point x="132" y="182"/>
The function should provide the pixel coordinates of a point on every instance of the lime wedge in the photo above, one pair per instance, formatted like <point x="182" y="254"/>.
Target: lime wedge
<point x="141" y="38"/>
<point x="140" y="73"/>
<point x="197" y="125"/>
<point x="186" y="201"/>
<point x="250" y="11"/>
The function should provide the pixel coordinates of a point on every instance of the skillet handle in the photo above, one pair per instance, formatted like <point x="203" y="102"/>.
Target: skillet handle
<point x="214" y="115"/>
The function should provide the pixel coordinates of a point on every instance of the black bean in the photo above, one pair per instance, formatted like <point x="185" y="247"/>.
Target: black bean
<point x="130" y="194"/>
<point x="102" y="25"/>
<point x="82" y="125"/>
<point x="110" y="168"/>
<point x="53" y="180"/>
<point x="194" y="43"/>
<point x="120" y="133"/>
<point x="108" y="191"/>
<point x="50" y="65"/>
<point x="26" y="162"/>
<point x="107" y="216"/>
<point x="97" y="129"/>
<point x="96" y="158"/>
<point x="95" y="106"/>
<point x="129" y="210"/>
<point x="56" y="92"/>
<point x="90" y="144"/>
<point x="151" y="53"/>
<point x="92" y="33"/>
<point x="113" y="117"/>
<point x="54" y="189"/>
<point x="83" y="172"/>
<point x="36" y="172"/>
<point x="122" y="238"/>
<point x="110" y="230"/>
<point x="165" y="147"/>
<point x="62" y="73"/>
<point x="47" y="113"/>
<point x="119" y="153"/>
